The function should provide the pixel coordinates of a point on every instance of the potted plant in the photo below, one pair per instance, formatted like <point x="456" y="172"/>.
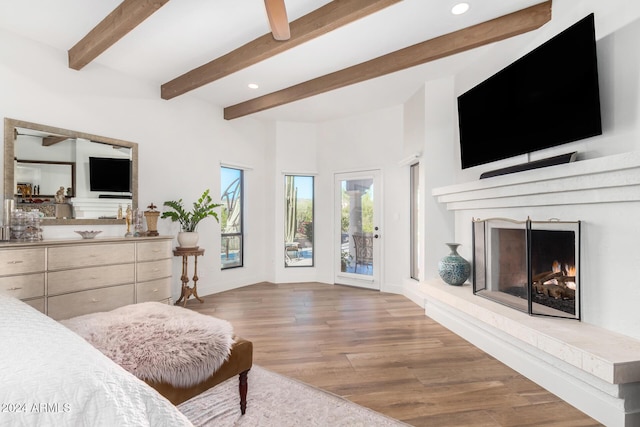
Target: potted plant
<point x="189" y="220"/>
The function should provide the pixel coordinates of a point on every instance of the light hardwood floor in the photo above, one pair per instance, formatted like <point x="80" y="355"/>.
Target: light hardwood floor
<point x="381" y="351"/>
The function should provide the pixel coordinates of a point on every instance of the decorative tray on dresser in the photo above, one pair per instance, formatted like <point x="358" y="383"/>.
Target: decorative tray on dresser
<point x="67" y="278"/>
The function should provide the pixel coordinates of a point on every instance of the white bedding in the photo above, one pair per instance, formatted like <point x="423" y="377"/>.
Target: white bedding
<point x="50" y="376"/>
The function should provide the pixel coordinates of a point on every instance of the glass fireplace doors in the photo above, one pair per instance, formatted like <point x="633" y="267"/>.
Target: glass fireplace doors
<point x="531" y="266"/>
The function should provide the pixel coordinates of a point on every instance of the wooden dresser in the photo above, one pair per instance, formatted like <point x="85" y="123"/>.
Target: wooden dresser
<point x="67" y="278"/>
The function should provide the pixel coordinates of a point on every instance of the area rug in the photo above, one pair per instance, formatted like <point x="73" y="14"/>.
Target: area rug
<point x="275" y="400"/>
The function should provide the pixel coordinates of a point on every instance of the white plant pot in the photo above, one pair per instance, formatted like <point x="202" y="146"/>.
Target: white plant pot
<point x="188" y="239"/>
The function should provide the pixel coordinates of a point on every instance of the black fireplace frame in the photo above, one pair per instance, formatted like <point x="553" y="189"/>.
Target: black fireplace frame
<point x="484" y="277"/>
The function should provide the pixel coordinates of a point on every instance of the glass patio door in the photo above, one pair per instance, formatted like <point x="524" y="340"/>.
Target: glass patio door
<point x="358" y="229"/>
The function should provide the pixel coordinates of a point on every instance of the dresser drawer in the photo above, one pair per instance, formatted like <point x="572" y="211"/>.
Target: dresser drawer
<point x="88" y="278"/>
<point x="85" y="302"/>
<point x="63" y="257"/>
<point x="153" y="270"/>
<point x="25" y="286"/>
<point x="151" y="251"/>
<point x="155" y="290"/>
<point x="20" y="261"/>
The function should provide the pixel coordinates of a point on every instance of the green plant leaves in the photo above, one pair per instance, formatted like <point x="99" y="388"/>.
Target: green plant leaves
<point x="202" y="208"/>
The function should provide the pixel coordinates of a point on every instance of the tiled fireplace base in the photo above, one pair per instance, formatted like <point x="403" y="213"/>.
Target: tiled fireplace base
<point x="593" y="369"/>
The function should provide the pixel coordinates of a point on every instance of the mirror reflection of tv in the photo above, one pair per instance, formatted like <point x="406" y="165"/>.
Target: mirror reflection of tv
<point x="547" y="98"/>
<point x="109" y="174"/>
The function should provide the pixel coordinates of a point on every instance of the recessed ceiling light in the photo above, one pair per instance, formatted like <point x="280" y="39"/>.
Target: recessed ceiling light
<point x="460" y="8"/>
<point x="253" y="86"/>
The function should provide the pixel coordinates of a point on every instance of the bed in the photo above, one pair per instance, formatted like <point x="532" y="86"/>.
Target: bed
<point x="49" y="375"/>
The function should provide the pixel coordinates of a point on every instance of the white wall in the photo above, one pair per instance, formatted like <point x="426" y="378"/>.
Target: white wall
<point x="440" y="143"/>
<point x="610" y="259"/>
<point x="181" y="144"/>
<point x="617" y="33"/>
<point x="429" y="129"/>
<point x="365" y="142"/>
<point x="183" y="141"/>
<point x="296" y="153"/>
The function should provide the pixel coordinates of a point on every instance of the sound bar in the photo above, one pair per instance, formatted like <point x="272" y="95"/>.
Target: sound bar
<point x="543" y="163"/>
<point x="113" y="196"/>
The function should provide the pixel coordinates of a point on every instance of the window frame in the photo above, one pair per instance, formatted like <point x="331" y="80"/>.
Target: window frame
<point x="414" y="220"/>
<point x="239" y="234"/>
<point x="313" y="207"/>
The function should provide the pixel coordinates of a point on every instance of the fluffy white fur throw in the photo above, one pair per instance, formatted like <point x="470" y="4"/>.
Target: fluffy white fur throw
<point x="159" y="342"/>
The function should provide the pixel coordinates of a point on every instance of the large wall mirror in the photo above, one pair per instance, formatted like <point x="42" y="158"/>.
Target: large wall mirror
<point x="70" y="176"/>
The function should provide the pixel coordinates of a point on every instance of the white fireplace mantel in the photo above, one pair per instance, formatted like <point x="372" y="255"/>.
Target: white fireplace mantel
<point x="594" y="368"/>
<point x="601" y="180"/>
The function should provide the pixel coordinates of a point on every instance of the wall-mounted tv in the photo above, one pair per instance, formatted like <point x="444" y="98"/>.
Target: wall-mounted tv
<point x="108" y="174"/>
<point x="548" y="97"/>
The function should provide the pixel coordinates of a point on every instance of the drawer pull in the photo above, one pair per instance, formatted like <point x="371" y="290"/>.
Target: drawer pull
<point x="15" y="262"/>
<point x="155" y="290"/>
<point x="93" y="300"/>
<point x="156" y="269"/>
<point x="14" y="289"/>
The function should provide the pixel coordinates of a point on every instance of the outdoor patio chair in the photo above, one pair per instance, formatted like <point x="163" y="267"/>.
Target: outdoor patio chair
<point x="364" y="249"/>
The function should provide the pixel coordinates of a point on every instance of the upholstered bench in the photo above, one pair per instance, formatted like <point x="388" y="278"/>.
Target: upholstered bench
<point x="239" y="363"/>
<point x="177" y="351"/>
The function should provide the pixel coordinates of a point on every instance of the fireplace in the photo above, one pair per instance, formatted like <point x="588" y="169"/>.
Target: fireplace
<point x="531" y="266"/>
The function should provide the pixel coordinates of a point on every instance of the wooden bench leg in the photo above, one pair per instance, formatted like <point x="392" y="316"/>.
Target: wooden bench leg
<point x="243" y="391"/>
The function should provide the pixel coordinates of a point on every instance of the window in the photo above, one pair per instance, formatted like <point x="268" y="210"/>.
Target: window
<point x="231" y="217"/>
<point x="415" y="216"/>
<point x="298" y="221"/>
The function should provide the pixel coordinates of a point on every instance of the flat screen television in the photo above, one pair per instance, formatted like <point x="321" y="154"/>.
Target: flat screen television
<point x="108" y="174"/>
<point x="548" y="97"/>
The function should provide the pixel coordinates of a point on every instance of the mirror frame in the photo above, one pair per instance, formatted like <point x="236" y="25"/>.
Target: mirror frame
<point x="10" y="126"/>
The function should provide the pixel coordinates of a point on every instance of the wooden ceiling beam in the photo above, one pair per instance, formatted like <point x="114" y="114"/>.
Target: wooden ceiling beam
<point x="478" y="35"/>
<point x="50" y="140"/>
<point x="278" y="21"/>
<point x="124" y="18"/>
<point x="321" y="21"/>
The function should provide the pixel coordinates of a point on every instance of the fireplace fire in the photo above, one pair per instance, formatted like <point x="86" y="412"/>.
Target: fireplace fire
<point x="531" y="266"/>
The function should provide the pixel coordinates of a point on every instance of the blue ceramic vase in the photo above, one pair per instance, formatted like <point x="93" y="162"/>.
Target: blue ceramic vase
<point x="454" y="269"/>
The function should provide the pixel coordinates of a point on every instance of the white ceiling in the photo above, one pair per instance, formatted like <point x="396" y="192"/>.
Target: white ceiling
<point x="185" y="34"/>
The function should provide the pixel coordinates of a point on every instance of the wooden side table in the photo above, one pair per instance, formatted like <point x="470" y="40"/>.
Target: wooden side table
<point x="187" y="291"/>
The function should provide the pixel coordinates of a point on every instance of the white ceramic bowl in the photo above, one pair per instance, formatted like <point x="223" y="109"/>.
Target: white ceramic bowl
<point x="88" y="234"/>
